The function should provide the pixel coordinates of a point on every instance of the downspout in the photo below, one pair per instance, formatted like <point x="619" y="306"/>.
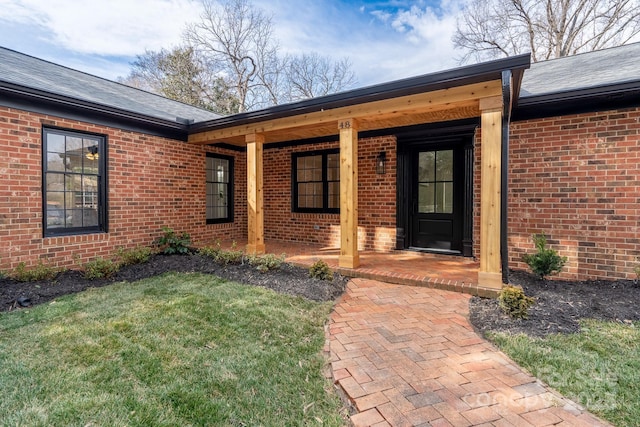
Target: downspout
<point x="506" y="120"/>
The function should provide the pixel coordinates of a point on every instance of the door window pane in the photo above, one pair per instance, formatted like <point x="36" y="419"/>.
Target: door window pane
<point x="435" y="181"/>
<point x="426" y="197"/>
<point x="444" y="165"/>
<point x="426" y="166"/>
<point x="444" y="201"/>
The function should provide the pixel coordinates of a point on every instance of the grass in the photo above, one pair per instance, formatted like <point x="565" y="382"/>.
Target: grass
<point x="178" y="349"/>
<point x="598" y="368"/>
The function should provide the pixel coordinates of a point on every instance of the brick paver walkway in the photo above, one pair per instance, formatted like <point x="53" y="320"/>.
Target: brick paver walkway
<point x="407" y="356"/>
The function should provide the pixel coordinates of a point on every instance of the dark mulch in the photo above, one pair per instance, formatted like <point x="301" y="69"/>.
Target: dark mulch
<point x="560" y="305"/>
<point x="288" y="279"/>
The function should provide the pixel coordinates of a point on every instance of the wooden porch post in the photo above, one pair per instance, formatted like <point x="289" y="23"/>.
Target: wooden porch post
<point x="489" y="275"/>
<point x="255" y="208"/>
<point x="349" y="257"/>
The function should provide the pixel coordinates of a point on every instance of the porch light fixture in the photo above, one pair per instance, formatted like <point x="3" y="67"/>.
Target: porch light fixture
<point x="381" y="163"/>
<point x="93" y="153"/>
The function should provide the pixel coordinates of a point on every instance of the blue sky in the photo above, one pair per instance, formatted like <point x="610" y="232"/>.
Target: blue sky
<point x="385" y="40"/>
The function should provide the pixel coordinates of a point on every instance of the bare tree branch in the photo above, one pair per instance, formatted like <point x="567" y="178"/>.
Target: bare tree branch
<point x="233" y="44"/>
<point x="548" y="29"/>
<point x="312" y="75"/>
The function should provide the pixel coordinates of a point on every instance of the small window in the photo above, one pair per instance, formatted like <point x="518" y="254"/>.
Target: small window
<point x="316" y="181"/>
<point x="219" y="188"/>
<point x="74" y="182"/>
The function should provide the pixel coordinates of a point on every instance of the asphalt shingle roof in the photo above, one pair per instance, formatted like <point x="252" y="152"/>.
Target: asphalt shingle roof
<point x="583" y="71"/>
<point x="27" y="71"/>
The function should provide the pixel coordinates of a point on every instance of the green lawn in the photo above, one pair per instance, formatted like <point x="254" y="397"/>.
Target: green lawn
<point x="178" y="349"/>
<point x="598" y="368"/>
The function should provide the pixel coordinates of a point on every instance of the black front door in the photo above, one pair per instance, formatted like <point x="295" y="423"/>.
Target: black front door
<point x="437" y="181"/>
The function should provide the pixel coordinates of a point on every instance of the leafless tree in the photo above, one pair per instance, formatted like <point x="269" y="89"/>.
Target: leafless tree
<point x="181" y="74"/>
<point x="546" y="28"/>
<point x="230" y="63"/>
<point x="311" y="75"/>
<point x="239" y="39"/>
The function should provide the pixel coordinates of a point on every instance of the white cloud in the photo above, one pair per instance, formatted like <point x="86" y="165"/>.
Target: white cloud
<point x="385" y="40"/>
<point x="115" y="27"/>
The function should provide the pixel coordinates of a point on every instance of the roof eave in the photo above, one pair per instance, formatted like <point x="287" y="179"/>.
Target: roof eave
<point x="574" y="100"/>
<point x="22" y="94"/>
<point x="442" y="80"/>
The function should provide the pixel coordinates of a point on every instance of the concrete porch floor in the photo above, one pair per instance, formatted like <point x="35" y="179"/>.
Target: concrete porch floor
<point x="446" y="272"/>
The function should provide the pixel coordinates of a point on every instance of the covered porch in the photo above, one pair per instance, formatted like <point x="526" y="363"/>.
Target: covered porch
<point x="481" y="91"/>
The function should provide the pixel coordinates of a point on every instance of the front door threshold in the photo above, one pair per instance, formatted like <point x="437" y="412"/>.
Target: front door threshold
<point x="434" y="250"/>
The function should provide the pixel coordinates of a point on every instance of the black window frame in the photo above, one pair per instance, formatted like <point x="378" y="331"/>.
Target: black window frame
<point x="325" y="182"/>
<point x="102" y="186"/>
<point x="230" y="189"/>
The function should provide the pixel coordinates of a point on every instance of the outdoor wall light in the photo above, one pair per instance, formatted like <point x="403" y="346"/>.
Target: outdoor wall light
<point x="381" y="163"/>
<point x="93" y="153"/>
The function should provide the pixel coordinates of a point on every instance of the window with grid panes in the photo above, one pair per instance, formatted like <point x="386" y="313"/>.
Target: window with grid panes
<point x="316" y="181"/>
<point x="219" y="171"/>
<point x="74" y="182"/>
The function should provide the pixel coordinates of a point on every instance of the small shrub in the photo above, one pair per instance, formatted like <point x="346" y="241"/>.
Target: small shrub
<point x="231" y="256"/>
<point x="514" y="302"/>
<point x="171" y="243"/>
<point x="210" y="251"/>
<point x="320" y="270"/>
<point x="223" y="256"/>
<point x="99" y="268"/>
<point x="636" y="270"/>
<point x="546" y="261"/>
<point x="138" y="255"/>
<point x="268" y="262"/>
<point x="37" y="273"/>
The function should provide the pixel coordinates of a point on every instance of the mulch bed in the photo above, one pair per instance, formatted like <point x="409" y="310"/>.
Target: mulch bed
<point x="558" y="309"/>
<point x="288" y="279"/>
<point x="560" y="305"/>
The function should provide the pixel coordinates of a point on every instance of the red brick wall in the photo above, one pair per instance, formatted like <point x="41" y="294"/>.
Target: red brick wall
<point x="153" y="182"/>
<point x="376" y="199"/>
<point x="576" y="179"/>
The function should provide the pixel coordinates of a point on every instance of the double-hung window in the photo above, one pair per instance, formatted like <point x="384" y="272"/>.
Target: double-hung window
<point x="74" y="182"/>
<point x="219" y="170"/>
<point x="316" y="181"/>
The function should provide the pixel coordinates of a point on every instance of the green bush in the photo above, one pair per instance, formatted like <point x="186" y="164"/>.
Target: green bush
<point x="636" y="270"/>
<point x="546" y="261"/>
<point x="171" y="243"/>
<point x="514" y="302"/>
<point x="320" y="270"/>
<point x="37" y="273"/>
<point x="268" y="262"/>
<point x="138" y="255"/>
<point x="210" y="251"/>
<point x="222" y="256"/>
<point x="231" y="256"/>
<point x="99" y="268"/>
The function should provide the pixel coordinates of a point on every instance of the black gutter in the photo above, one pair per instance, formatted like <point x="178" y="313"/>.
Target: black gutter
<point x="592" y="99"/>
<point x="39" y="101"/>
<point x="504" y="175"/>
<point x="430" y="82"/>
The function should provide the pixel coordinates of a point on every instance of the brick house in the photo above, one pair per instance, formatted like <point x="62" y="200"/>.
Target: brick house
<point x="468" y="162"/>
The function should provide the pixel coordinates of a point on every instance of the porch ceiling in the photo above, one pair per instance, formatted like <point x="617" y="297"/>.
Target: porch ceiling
<point x="454" y="103"/>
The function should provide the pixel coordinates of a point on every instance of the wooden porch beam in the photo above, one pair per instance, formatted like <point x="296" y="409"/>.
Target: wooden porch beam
<point x="490" y="275"/>
<point x="349" y="256"/>
<point x="255" y="208"/>
<point x="444" y="99"/>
